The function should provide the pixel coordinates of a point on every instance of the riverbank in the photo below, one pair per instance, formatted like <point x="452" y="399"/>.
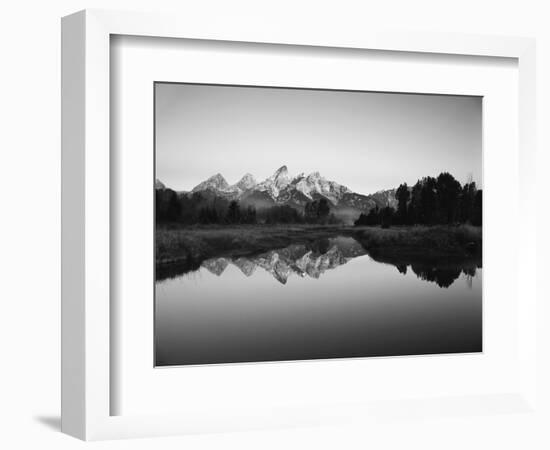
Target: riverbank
<point x="192" y="245"/>
<point x="175" y="245"/>
<point x="425" y="243"/>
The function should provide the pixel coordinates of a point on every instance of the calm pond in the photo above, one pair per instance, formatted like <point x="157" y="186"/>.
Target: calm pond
<point x="325" y="300"/>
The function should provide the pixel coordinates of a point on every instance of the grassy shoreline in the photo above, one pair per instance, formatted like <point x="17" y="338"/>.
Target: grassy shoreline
<point x="192" y="245"/>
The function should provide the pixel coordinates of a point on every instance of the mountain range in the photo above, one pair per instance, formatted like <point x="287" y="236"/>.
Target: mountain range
<point x="281" y="188"/>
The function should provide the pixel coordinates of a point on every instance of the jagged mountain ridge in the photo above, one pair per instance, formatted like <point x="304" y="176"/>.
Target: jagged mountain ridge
<point x="281" y="188"/>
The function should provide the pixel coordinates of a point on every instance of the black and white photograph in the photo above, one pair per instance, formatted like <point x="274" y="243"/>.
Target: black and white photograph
<point x="305" y="224"/>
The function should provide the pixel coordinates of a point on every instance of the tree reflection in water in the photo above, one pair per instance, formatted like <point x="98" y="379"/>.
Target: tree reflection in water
<point x="316" y="258"/>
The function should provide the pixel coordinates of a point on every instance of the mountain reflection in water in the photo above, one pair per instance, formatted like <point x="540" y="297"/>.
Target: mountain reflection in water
<point x="328" y="298"/>
<point x="315" y="258"/>
<point x="301" y="260"/>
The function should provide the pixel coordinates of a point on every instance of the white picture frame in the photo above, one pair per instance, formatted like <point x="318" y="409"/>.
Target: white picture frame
<point x="86" y="220"/>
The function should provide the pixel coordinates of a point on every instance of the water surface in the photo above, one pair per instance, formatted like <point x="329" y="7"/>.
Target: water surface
<point x="328" y="299"/>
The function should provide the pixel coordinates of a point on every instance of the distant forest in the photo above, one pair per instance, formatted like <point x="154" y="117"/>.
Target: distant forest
<point x="441" y="200"/>
<point x="199" y="208"/>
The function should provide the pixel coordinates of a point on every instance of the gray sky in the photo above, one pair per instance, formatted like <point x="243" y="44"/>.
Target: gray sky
<point x="364" y="140"/>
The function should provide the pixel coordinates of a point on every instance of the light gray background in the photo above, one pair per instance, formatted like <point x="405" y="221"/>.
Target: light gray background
<point x="365" y="140"/>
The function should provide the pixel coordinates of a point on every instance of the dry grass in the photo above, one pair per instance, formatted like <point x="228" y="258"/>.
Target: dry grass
<point x="459" y="240"/>
<point x="199" y="243"/>
<point x="204" y="242"/>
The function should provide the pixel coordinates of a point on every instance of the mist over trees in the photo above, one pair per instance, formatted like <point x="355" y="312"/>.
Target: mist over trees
<point x="281" y="214"/>
<point x="197" y="208"/>
<point x="431" y="201"/>
<point x="171" y="207"/>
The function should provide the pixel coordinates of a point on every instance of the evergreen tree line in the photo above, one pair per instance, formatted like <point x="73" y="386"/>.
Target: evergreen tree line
<point x="441" y="200"/>
<point x="170" y="207"/>
<point x="200" y="209"/>
<point x="431" y="201"/>
<point x="234" y="214"/>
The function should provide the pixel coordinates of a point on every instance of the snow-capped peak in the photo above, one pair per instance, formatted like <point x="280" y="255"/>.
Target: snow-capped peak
<point x="215" y="182"/>
<point x="314" y="176"/>
<point x="281" y="177"/>
<point x="314" y="183"/>
<point x="276" y="182"/>
<point x="281" y="171"/>
<point x="245" y="183"/>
